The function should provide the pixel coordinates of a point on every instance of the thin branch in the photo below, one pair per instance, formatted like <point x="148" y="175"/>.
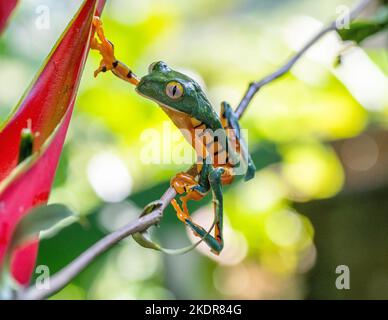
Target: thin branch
<point x="63" y="277"/>
<point x="59" y="280"/>
<point x="254" y="87"/>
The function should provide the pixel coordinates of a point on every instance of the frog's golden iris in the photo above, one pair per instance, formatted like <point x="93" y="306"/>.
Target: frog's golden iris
<point x="174" y="90"/>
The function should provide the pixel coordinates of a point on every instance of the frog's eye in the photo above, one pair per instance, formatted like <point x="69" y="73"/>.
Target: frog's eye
<point x="174" y="90"/>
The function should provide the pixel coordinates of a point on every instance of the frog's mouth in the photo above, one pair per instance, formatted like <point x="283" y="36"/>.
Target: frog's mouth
<point x="181" y="119"/>
<point x="144" y="89"/>
<point x="161" y="104"/>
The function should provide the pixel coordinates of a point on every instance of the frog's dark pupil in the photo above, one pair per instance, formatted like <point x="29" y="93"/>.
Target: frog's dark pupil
<point x="174" y="91"/>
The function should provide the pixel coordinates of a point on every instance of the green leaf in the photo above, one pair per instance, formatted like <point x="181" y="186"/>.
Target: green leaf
<point x="26" y="144"/>
<point x="8" y="285"/>
<point x="151" y="207"/>
<point x="360" y="30"/>
<point x="143" y="239"/>
<point x="45" y="220"/>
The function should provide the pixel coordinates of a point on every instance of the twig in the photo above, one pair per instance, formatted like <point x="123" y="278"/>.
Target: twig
<point x="254" y="87"/>
<point x="63" y="277"/>
<point x="59" y="280"/>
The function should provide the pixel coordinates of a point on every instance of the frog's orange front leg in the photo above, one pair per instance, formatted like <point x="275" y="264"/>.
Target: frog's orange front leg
<point x="109" y="61"/>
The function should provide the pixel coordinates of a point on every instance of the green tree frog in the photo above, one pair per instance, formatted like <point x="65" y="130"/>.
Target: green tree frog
<point x="216" y="139"/>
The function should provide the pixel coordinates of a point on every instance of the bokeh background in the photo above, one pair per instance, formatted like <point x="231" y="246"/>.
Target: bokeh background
<point x="318" y="137"/>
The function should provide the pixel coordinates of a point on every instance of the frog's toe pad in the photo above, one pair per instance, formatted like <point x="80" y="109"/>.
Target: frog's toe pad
<point x="217" y="253"/>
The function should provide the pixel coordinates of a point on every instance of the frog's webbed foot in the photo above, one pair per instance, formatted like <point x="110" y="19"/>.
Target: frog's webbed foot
<point x="109" y="61"/>
<point x="104" y="47"/>
<point x="185" y="183"/>
<point x="182" y="182"/>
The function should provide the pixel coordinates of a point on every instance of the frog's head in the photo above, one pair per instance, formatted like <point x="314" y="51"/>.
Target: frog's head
<point x="170" y="88"/>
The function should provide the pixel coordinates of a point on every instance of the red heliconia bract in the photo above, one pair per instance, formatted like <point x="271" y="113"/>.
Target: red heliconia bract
<point x="6" y="8"/>
<point x="46" y="108"/>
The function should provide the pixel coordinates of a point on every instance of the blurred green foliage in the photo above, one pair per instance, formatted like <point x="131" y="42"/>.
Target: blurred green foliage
<point x="224" y="45"/>
<point x="361" y="30"/>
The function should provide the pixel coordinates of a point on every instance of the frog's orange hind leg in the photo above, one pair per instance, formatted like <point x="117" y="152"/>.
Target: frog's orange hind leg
<point x="183" y="213"/>
<point x="109" y="61"/>
<point x="216" y="242"/>
<point x="231" y="125"/>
